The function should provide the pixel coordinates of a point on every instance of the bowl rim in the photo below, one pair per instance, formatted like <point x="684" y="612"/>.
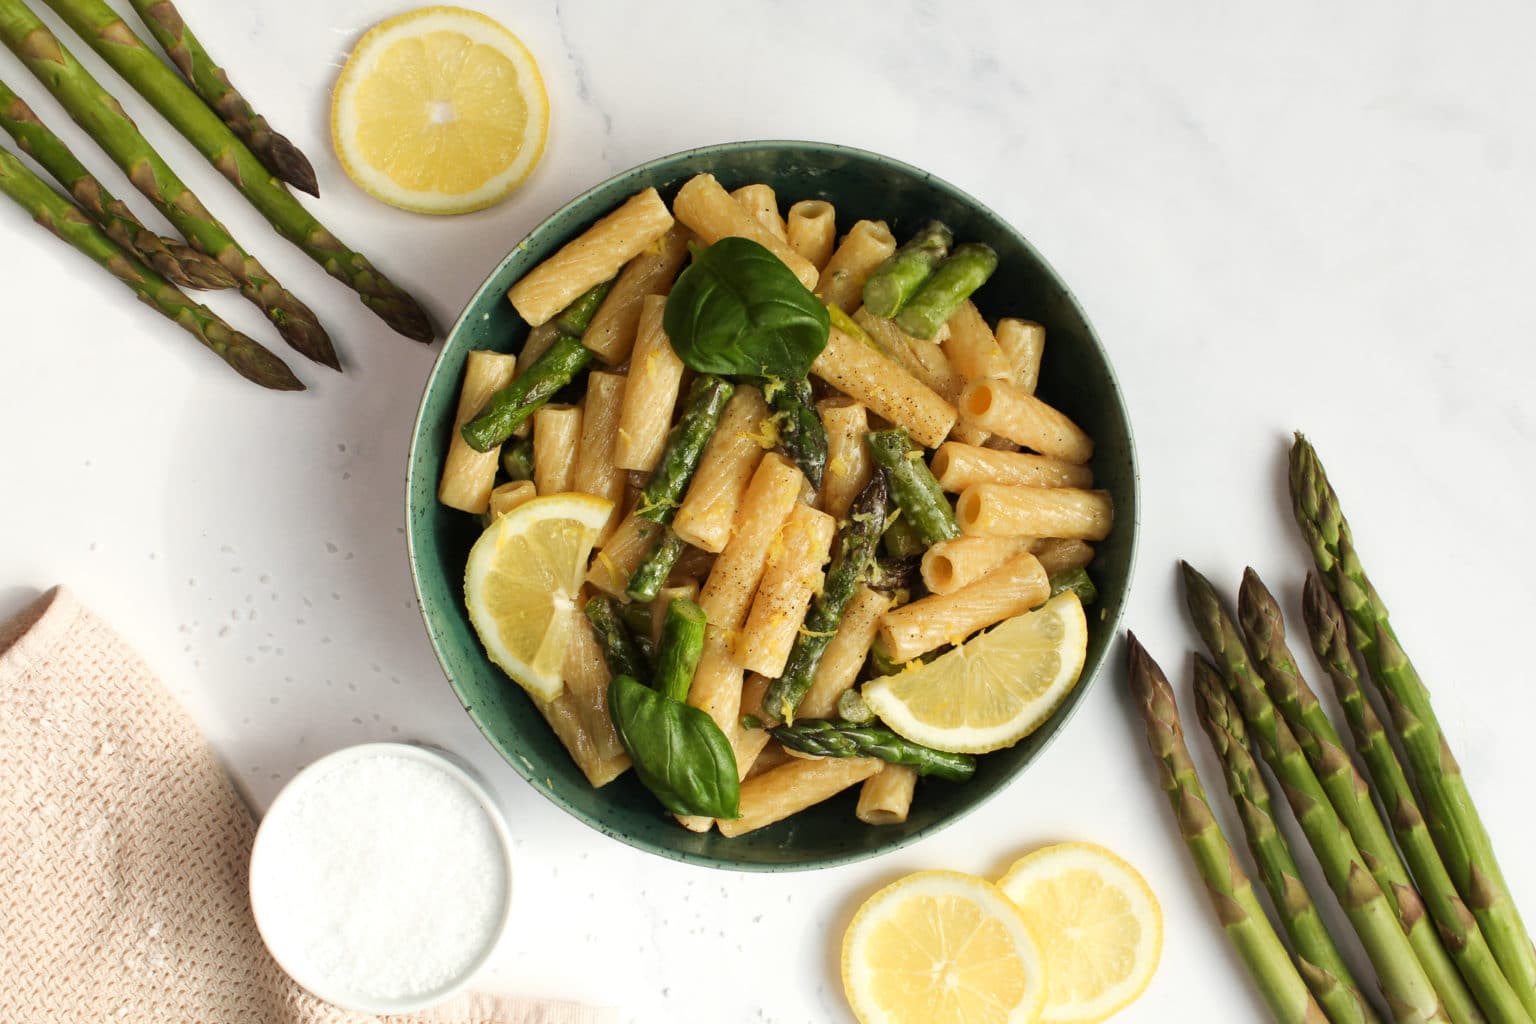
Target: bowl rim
<point x="323" y="988"/>
<point x="1112" y="625"/>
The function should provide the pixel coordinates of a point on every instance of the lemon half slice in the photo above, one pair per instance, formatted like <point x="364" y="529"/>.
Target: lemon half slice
<point x="941" y="947"/>
<point x="440" y="110"/>
<point x="992" y="690"/>
<point x="1098" y="923"/>
<point x="521" y="584"/>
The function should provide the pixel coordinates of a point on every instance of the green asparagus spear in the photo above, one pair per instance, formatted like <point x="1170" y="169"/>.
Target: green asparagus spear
<point x="652" y="572"/>
<point x="682" y="645"/>
<point x="851" y="707"/>
<point x="894" y="281"/>
<point x="1452" y="818"/>
<point x="952" y="282"/>
<point x="913" y="487"/>
<point x="176" y="261"/>
<point x="802" y="437"/>
<point x="613" y="636"/>
<point x="851" y="563"/>
<point x="1335" y="989"/>
<point x="707" y="398"/>
<point x="513" y="404"/>
<point x="577" y="317"/>
<point x="828" y="738"/>
<point x="1077" y="580"/>
<point x="902" y="542"/>
<point x="117" y="44"/>
<point x="637" y="617"/>
<point x="276" y="153"/>
<point x="1408" y="988"/>
<point x="58" y="215"/>
<point x="517" y="460"/>
<point x="896" y="574"/>
<point x="1264" y="629"/>
<point x="1458" y="928"/>
<point x="99" y="114"/>
<point x="1237" y="908"/>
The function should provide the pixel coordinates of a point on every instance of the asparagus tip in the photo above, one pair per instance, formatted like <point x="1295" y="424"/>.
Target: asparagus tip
<point x="291" y="165"/>
<point x="192" y="269"/>
<point x="257" y="364"/>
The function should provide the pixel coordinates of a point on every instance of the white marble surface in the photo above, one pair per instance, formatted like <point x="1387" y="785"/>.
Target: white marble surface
<point x="1315" y="216"/>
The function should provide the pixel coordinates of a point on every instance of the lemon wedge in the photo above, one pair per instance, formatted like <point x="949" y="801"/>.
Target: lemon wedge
<point x="1098" y="923"/>
<point x="994" y="689"/>
<point x="941" y="947"/>
<point x="521" y="584"/>
<point x="440" y="110"/>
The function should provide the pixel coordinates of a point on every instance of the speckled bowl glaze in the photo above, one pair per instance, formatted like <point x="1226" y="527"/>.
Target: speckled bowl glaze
<point x="1076" y="377"/>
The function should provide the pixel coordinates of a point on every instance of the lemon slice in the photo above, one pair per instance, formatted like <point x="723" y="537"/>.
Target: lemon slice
<point x="1098" y="923"/>
<point x="992" y="690"/>
<point x="941" y="947"/>
<point x="440" y="110"/>
<point x="521" y="583"/>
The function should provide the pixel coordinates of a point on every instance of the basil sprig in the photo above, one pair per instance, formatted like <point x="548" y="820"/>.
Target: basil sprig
<point x="738" y="311"/>
<point x="679" y="753"/>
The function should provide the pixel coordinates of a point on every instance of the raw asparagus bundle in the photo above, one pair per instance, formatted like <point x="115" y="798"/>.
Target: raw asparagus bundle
<point x="60" y="216"/>
<point x="1452" y="818"/>
<point x="276" y="153"/>
<point x="176" y="261"/>
<point x="99" y="114"/>
<point x="827" y="738"/>
<point x="1404" y="978"/>
<point x="100" y="26"/>
<point x="1231" y="893"/>
<point x="1321" y="966"/>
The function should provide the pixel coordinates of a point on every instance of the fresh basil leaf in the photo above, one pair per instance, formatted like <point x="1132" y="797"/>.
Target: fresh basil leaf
<point x="678" y="751"/>
<point x="738" y="311"/>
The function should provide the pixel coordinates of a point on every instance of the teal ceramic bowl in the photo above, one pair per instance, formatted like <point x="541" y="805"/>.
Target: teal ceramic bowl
<point x="1076" y="377"/>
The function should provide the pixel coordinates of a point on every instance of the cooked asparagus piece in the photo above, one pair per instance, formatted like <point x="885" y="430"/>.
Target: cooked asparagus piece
<point x="174" y="260"/>
<point x="802" y="437"/>
<point x="1331" y="982"/>
<point x="851" y="562"/>
<point x="828" y="738"/>
<point x="1237" y="908"/>
<point x="99" y="114"/>
<point x="1408" y="988"/>
<point x="1264" y="629"/>
<point x="1452" y="818"/>
<point x="1078" y="580"/>
<point x="517" y="460"/>
<point x="574" y="319"/>
<point x="513" y="404"/>
<point x="619" y="649"/>
<point x="902" y="541"/>
<point x="912" y="485"/>
<point x="99" y="25"/>
<point x="652" y="572"/>
<point x="707" y="398"/>
<point x="61" y="217"/>
<point x="851" y="707"/>
<point x="276" y="152"/>
<point x="904" y="271"/>
<point x="952" y="282"/>
<point x="681" y="647"/>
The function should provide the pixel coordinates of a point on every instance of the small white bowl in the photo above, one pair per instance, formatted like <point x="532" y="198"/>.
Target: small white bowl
<point x="275" y="914"/>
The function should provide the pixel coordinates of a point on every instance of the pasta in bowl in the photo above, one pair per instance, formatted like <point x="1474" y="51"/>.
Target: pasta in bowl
<point x="844" y="427"/>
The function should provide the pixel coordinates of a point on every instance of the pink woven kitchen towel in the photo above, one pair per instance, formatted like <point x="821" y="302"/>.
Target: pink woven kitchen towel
<point x="123" y="852"/>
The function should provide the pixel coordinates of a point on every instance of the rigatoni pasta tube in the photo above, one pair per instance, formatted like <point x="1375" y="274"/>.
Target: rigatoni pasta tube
<point x="1024" y="341"/>
<point x="812" y="228"/>
<point x="794" y="786"/>
<point x="510" y="495"/>
<point x="925" y="360"/>
<point x="556" y="433"/>
<point x="791" y="576"/>
<point x="846" y="654"/>
<point x="972" y="347"/>
<point x="848" y="463"/>
<point x="622" y="553"/>
<point x="868" y="244"/>
<point x="886" y="797"/>
<point x="709" y="507"/>
<point x="770" y="497"/>
<point x="952" y="564"/>
<point x="650" y="393"/>
<point x="1013" y="588"/>
<point x="762" y="205"/>
<point x="958" y="466"/>
<point x="705" y="206"/>
<point x="772" y="755"/>
<point x="717" y="682"/>
<point x="1002" y="408"/>
<point x="595" y="471"/>
<point x="591" y="258"/>
<point x="468" y="475"/>
<point x="1060" y="555"/>
<point x="586" y="679"/>
<point x="861" y="373"/>
<point x="749" y="743"/>
<point x="996" y="510"/>
<point x="563" y="719"/>
<point x="611" y="334"/>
